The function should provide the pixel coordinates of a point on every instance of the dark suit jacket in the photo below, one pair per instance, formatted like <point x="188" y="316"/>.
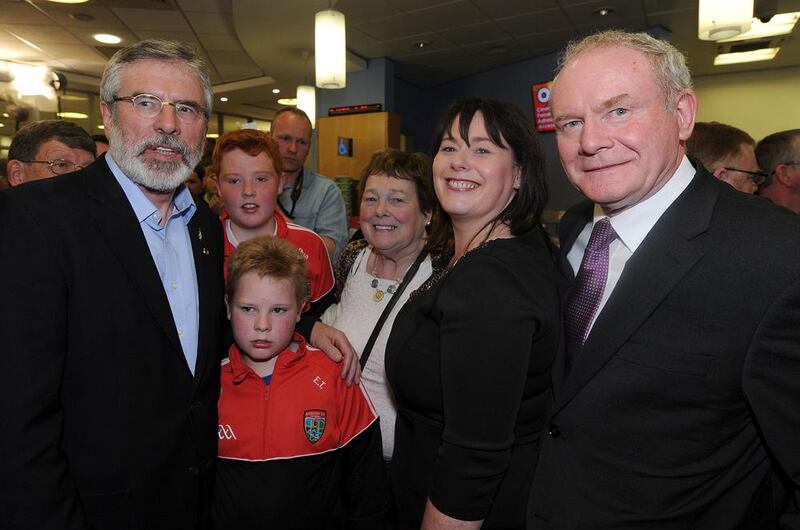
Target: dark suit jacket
<point x="687" y="390"/>
<point x="103" y="425"/>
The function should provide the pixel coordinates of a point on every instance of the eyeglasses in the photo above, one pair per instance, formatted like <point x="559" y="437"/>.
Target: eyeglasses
<point x="59" y="166"/>
<point x="757" y="177"/>
<point x="149" y="106"/>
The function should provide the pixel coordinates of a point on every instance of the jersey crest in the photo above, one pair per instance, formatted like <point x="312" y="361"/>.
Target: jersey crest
<point x="314" y="424"/>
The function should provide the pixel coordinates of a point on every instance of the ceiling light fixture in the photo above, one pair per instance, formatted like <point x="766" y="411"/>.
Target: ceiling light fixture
<point x="307" y="102"/>
<point x="223" y="99"/>
<point x="288" y="101"/>
<point x="101" y="126"/>
<point x="276" y="90"/>
<point x="72" y="115"/>
<point x="780" y="24"/>
<point x="723" y="19"/>
<point x="764" y="54"/>
<point x="330" y="49"/>
<point x="106" y="38"/>
<point x="604" y="11"/>
<point x="422" y="44"/>
<point x="68" y="1"/>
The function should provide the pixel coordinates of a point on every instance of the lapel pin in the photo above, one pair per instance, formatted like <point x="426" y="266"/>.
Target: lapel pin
<point x="205" y="251"/>
<point x="199" y="235"/>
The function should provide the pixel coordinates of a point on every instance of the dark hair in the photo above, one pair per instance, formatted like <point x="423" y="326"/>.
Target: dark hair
<point x="100" y="138"/>
<point x="777" y="148"/>
<point x="505" y="124"/>
<point x="297" y="112"/>
<point x="269" y="256"/>
<point x="713" y="142"/>
<point x="252" y="142"/>
<point x="414" y="167"/>
<point x="26" y="142"/>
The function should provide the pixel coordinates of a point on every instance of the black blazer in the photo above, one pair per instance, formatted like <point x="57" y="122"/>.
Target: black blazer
<point x="103" y="424"/>
<point x="687" y="391"/>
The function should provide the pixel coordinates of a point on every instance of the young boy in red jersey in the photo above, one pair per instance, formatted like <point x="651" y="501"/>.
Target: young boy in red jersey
<point x="297" y="447"/>
<point x="250" y="178"/>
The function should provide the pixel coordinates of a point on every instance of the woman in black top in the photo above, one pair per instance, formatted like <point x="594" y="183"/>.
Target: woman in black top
<point x="469" y="355"/>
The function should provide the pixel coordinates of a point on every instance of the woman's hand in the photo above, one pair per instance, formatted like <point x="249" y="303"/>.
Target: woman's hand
<point x="336" y="346"/>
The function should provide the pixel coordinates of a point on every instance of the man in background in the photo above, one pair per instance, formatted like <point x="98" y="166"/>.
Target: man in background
<point x="44" y="149"/>
<point x="727" y="153"/>
<point x="101" y="142"/>
<point x="308" y="199"/>
<point x="779" y="157"/>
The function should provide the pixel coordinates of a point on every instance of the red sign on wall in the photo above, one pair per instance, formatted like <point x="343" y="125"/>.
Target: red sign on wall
<point x="541" y="107"/>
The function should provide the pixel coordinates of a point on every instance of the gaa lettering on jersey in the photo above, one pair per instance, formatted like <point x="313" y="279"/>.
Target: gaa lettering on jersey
<point x="314" y="424"/>
<point x="303" y="252"/>
<point x="319" y="381"/>
<point x="225" y="432"/>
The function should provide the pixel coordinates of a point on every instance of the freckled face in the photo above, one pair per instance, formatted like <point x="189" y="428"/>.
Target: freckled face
<point x="617" y="142"/>
<point x="263" y="314"/>
<point x="249" y="186"/>
<point x="474" y="181"/>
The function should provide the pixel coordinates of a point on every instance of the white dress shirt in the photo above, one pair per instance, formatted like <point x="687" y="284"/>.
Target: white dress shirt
<point x="632" y="226"/>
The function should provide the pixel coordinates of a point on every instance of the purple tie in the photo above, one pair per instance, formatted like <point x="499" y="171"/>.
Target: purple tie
<point x="590" y="283"/>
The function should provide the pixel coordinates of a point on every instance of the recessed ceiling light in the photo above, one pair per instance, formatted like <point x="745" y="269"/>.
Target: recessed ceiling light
<point x="212" y="135"/>
<point x="223" y="99"/>
<point x="5" y="115"/>
<point x="68" y="1"/>
<point x="276" y="90"/>
<point x="107" y="38"/>
<point x="72" y="115"/>
<point x="604" y="11"/>
<point x="780" y="24"/>
<point x="287" y="101"/>
<point x="422" y="44"/>
<point x="101" y="126"/>
<point x="764" y="54"/>
<point x="2" y="124"/>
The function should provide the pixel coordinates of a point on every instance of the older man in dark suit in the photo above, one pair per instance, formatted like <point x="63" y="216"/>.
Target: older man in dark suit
<point x="111" y="316"/>
<point x="676" y="404"/>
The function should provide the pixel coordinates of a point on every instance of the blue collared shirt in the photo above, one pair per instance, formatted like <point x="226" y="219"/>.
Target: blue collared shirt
<point x="171" y="249"/>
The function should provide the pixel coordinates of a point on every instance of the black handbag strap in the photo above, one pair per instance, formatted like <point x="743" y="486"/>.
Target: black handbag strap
<point x="388" y="309"/>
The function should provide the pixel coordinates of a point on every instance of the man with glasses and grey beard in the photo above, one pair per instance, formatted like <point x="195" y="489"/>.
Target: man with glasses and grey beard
<point x="46" y="148"/>
<point x="112" y="314"/>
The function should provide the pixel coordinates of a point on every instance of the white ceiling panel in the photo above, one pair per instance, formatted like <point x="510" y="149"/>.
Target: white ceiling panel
<point x="206" y="6"/>
<point x="154" y="20"/>
<point x="215" y="23"/>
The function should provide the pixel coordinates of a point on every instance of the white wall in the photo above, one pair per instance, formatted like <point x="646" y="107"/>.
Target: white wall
<point x="760" y="102"/>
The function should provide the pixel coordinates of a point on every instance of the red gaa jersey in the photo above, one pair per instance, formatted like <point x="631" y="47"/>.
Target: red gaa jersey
<point x="320" y="273"/>
<point x="303" y="451"/>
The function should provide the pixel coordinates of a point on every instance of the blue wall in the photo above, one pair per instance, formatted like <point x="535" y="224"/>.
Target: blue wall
<point x="373" y="85"/>
<point x="419" y="108"/>
<point x="513" y="84"/>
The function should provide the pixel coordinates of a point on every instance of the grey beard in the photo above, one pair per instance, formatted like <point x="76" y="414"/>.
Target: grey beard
<point x="156" y="175"/>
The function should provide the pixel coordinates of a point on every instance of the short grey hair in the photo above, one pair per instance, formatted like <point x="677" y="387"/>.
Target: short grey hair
<point x="777" y="148"/>
<point x="160" y="50"/>
<point x="666" y="61"/>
